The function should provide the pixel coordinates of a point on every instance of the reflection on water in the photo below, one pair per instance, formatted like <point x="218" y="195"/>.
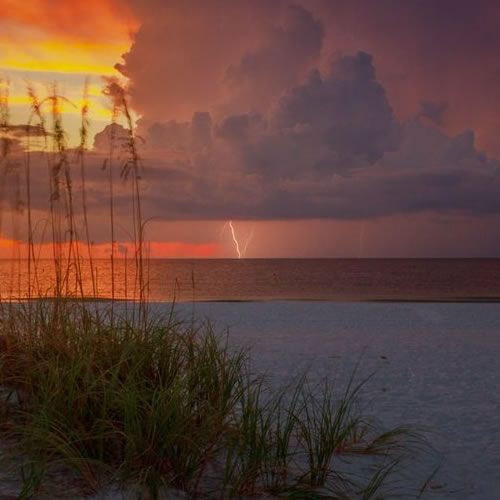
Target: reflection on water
<point x="274" y="279"/>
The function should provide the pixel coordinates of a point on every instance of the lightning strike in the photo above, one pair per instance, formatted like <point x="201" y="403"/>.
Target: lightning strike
<point x="235" y="240"/>
<point x="239" y="251"/>
<point x="249" y="239"/>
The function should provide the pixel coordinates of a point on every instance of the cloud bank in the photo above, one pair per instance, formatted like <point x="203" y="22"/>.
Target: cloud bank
<point x="264" y="121"/>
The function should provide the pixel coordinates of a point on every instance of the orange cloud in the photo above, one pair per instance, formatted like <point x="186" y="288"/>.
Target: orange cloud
<point x="66" y="37"/>
<point x="70" y="19"/>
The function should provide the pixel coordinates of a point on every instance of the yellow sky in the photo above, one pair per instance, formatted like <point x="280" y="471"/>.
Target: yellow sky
<point x="47" y="41"/>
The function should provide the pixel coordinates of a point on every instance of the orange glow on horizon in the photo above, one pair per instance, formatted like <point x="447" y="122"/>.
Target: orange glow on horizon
<point x="180" y="249"/>
<point x="153" y="249"/>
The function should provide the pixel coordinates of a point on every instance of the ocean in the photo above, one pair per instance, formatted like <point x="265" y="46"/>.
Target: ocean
<point x="347" y="280"/>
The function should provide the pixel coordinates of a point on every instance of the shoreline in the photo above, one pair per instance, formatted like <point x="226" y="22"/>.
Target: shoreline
<point x="257" y="300"/>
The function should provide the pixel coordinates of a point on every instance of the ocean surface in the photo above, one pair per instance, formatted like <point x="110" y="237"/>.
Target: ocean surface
<point x="347" y="280"/>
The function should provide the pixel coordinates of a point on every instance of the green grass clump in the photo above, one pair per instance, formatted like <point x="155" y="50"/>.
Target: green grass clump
<point x="167" y="404"/>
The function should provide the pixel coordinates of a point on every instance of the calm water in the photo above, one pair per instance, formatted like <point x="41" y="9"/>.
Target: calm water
<point x="285" y="279"/>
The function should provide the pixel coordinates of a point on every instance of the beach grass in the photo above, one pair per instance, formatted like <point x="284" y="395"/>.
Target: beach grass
<point x="170" y="405"/>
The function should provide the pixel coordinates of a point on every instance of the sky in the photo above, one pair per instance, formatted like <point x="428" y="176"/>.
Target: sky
<point x="319" y="128"/>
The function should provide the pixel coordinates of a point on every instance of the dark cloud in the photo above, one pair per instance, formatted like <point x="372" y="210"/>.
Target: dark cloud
<point x="256" y="171"/>
<point x="179" y="136"/>
<point x="426" y="50"/>
<point x="347" y="109"/>
<point x="423" y="146"/>
<point x="433" y="111"/>
<point x="240" y="128"/>
<point x="264" y="73"/>
<point x="172" y="134"/>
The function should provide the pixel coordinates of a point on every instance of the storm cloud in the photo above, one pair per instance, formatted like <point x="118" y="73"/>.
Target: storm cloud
<point x="313" y="108"/>
<point x="329" y="146"/>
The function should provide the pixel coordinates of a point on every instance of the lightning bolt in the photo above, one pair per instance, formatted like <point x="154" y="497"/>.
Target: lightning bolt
<point x="249" y="239"/>
<point x="235" y="240"/>
<point x="240" y="253"/>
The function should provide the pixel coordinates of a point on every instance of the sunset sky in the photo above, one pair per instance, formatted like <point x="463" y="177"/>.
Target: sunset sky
<point x="320" y="128"/>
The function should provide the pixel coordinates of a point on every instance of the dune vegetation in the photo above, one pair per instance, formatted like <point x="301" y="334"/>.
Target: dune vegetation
<point x="116" y="395"/>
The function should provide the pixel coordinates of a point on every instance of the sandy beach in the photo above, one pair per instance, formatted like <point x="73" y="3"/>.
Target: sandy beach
<point x="436" y="367"/>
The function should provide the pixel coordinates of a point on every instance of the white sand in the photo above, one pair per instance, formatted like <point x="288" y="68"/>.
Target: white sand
<point x="442" y="370"/>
